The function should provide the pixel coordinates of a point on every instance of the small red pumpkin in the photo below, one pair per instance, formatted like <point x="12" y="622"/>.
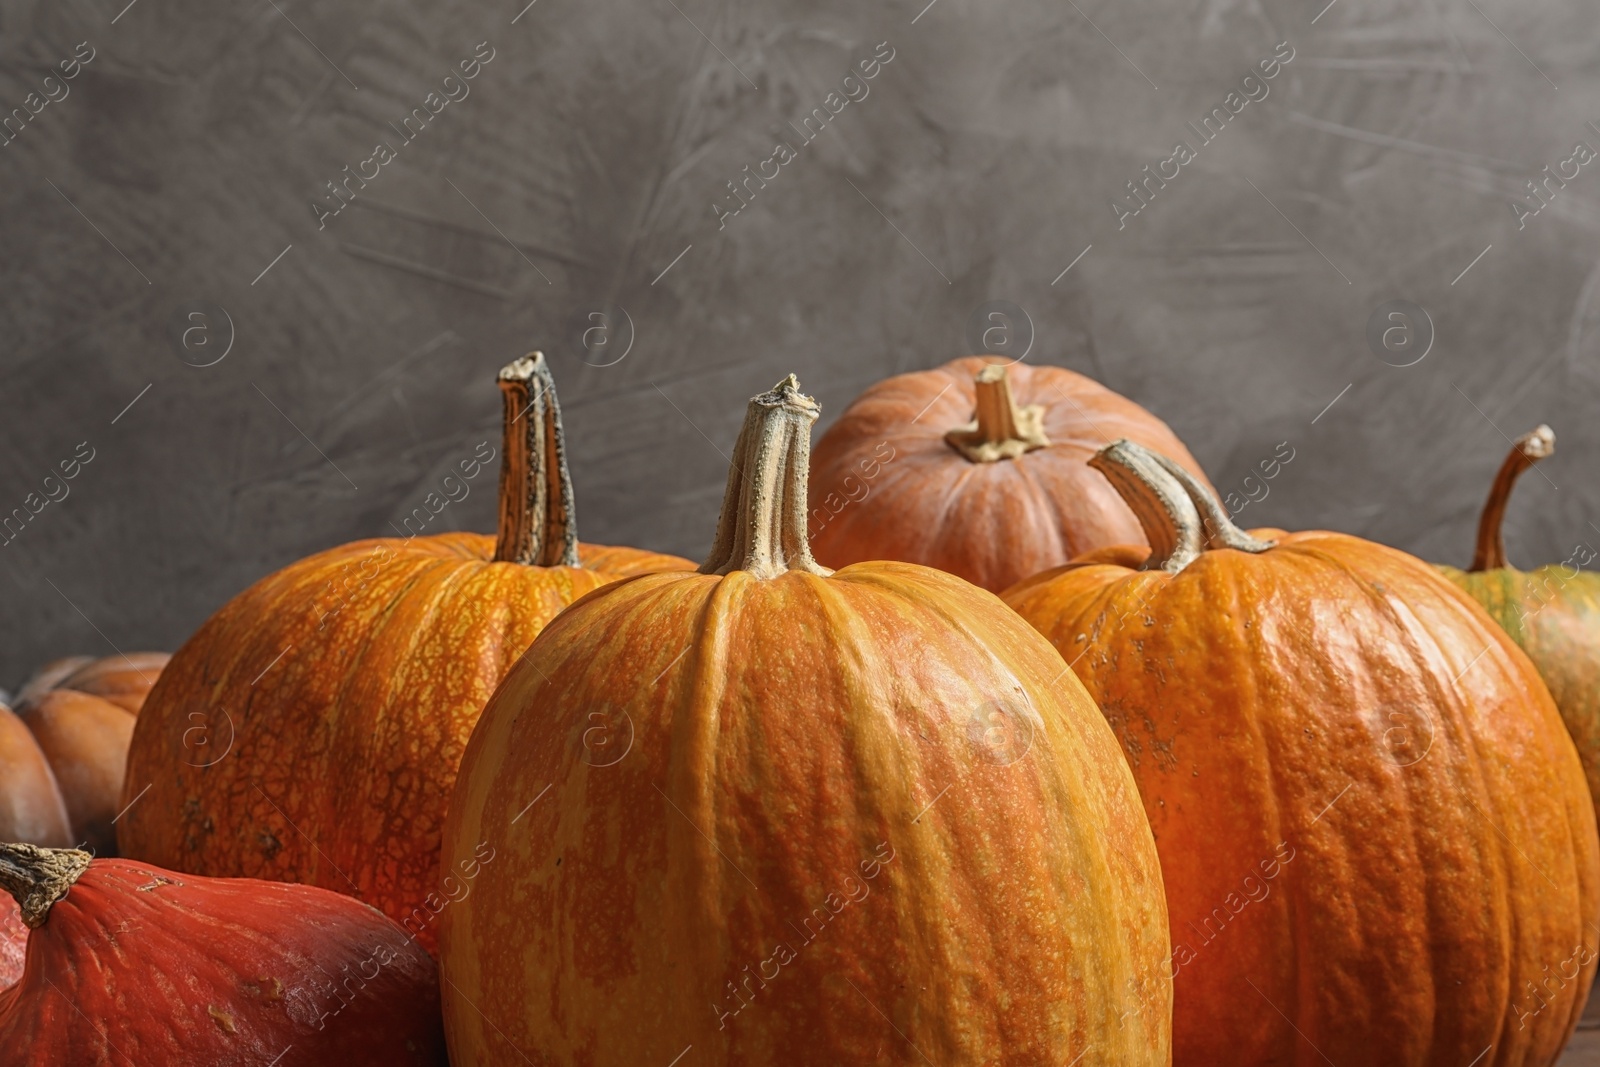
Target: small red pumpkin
<point x="978" y="468"/>
<point x="129" y="963"/>
<point x="334" y="698"/>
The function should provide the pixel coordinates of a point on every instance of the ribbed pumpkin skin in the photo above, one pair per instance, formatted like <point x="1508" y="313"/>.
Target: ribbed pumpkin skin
<point x="993" y="524"/>
<point x="1554" y="616"/>
<point x="31" y="806"/>
<point x="1343" y="698"/>
<point x="141" y="966"/>
<point x="786" y="735"/>
<point x="352" y="737"/>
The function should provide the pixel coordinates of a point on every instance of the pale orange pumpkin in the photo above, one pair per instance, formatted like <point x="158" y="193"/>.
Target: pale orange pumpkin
<point x="784" y="815"/>
<point x="979" y="468"/>
<point x="311" y="729"/>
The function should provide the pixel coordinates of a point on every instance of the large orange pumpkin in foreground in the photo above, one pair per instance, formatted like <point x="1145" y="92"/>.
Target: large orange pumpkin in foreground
<point x="783" y="815"/>
<point x="979" y="468"/>
<point x="1376" y="839"/>
<point x="311" y="729"/>
<point x="1552" y="612"/>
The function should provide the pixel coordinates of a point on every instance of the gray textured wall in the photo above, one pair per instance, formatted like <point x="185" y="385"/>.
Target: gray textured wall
<point x="589" y="154"/>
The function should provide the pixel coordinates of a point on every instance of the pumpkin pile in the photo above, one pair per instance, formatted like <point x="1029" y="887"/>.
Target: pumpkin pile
<point x="1059" y="766"/>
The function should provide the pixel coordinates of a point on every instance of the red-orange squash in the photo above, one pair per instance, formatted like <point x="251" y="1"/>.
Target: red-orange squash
<point x="979" y="468"/>
<point x="771" y="814"/>
<point x="1376" y="840"/>
<point x="132" y="964"/>
<point x="1551" y="612"/>
<point x="311" y="729"/>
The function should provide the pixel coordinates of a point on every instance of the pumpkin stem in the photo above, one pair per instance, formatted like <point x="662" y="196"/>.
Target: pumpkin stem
<point x="999" y="429"/>
<point x="1180" y="516"/>
<point x="38" y="877"/>
<point x="1219" y="527"/>
<point x="1171" y="523"/>
<point x="538" y="520"/>
<point x="1526" y="450"/>
<point x="762" y="528"/>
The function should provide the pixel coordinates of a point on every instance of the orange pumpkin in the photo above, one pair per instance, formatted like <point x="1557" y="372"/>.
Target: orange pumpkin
<point x="1374" y="831"/>
<point x="978" y="468"/>
<point x="80" y="711"/>
<point x="31" y="806"/>
<point x="311" y="729"/>
<point x="123" y="679"/>
<point x="1551" y="612"/>
<point x="790" y="816"/>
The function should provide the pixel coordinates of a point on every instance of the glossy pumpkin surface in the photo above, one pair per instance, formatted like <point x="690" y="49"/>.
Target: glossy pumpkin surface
<point x="888" y="483"/>
<point x="1374" y="832"/>
<point x="788" y="816"/>
<point x="1551" y="612"/>
<point x="135" y="964"/>
<point x="310" y="731"/>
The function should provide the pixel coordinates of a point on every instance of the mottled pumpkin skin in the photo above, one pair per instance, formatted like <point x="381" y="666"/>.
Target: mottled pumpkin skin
<point x="886" y="485"/>
<point x="1337" y="714"/>
<point x="138" y="965"/>
<point x="310" y="730"/>
<point x="1553" y="613"/>
<point x="686" y="767"/>
<point x="13" y="940"/>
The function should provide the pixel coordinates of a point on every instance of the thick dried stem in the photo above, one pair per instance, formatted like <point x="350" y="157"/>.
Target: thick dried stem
<point x="762" y="528"/>
<point x="999" y="429"/>
<point x="1526" y="450"/>
<point x="1219" y="528"/>
<point x="1171" y="523"/>
<point x="39" y="877"/>
<point x="538" y="520"/>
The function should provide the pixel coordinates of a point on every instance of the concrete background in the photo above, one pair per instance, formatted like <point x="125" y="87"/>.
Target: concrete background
<point x="586" y="161"/>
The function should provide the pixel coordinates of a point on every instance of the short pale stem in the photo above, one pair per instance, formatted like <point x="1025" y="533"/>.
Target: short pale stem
<point x="762" y="529"/>
<point x="1526" y="450"/>
<point x="999" y="429"/>
<point x="39" y="877"/>
<point x="538" y="520"/>
<point x="1171" y="523"/>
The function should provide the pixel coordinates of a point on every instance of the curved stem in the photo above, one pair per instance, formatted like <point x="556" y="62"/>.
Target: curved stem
<point x="1219" y="527"/>
<point x="1526" y="450"/>
<point x="999" y="429"/>
<point x="538" y="520"/>
<point x="762" y="528"/>
<point x="39" y="877"/>
<point x="1171" y="523"/>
